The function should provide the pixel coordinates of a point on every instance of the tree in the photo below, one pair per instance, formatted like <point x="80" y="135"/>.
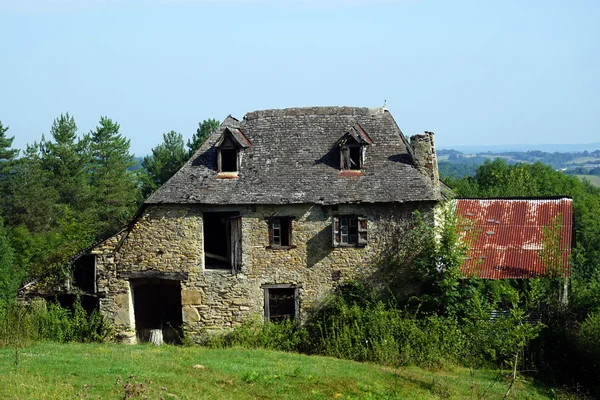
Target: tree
<point x="166" y="159"/>
<point x="66" y="158"/>
<point x="115" y="193"/>
<point x="205" y="129"/>
<point x="9" y="278"/>
<point x="6" y="153"/>
<point x="32" y="197"/>
<point x="7" y="159"/>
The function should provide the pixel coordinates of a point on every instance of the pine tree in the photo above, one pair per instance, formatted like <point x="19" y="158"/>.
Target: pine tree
<point x="66" y="158"/>
<point x="114" y="188"/>
<point x="32" y="197"/>
<point x="7" y="160"/>
<point x="205" y="129"/>
<point x="166" y="159"/>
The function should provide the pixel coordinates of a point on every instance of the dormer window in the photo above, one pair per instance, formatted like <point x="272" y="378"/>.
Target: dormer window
<point x="228" y="159"/>
<point x="352" y="155"/>
<point x="230" y="148"/>
<point x="353" y="147"/>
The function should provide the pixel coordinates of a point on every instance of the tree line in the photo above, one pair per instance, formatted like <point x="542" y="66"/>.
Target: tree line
<point x="67" y="190"/>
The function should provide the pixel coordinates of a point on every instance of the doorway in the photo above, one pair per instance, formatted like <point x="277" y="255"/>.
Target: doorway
<point x="157" y="305"/>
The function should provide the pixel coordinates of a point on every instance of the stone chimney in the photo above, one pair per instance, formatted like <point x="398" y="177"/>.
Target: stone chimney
<point x="424" y="157"/>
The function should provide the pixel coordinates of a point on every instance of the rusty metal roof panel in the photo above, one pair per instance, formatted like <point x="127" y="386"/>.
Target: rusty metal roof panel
<point x="507" y="236"/>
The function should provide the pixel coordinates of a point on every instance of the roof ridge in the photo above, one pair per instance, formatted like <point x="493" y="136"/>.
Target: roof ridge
<point x="320" y="110"/>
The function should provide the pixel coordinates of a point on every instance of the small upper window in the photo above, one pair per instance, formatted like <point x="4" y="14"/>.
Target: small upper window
<point x="228" y="160"/>
<point x="280" y="232"/>
<point x="349" y="230"/>
<point x="353" y="147"/>
<point x="352" y="156"/>
<point x="230" y="147"/>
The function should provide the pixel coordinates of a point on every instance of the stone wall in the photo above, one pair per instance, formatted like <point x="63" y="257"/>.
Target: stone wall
<point x="169" y="239"/>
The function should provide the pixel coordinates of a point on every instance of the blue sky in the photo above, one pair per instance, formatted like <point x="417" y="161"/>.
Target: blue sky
<point x="474" y="72"/>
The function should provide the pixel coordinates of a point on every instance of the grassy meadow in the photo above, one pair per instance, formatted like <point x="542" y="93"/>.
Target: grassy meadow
<point x="594" y="179"/>
<point x="109" y="371"/>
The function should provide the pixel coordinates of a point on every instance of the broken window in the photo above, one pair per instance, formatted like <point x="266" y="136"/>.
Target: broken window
<point x="84" y="273"/>
<point x="222" y="240"/>
<point x="280" y="232"/>
<point x="281" y="302"/>
<point x="349" y="230"/>
<point x="228" y="158"/>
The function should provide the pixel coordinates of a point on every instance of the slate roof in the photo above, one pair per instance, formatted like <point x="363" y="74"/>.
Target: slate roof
<point x="294" y="158"/>
<point x="509" y="236"/>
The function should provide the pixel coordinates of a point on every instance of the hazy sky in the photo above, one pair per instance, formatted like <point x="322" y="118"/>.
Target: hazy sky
<point x="474" y="72"/>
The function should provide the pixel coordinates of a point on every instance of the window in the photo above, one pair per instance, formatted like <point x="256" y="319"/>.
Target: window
<point x="281" y="302"/>
<point x="280" y="232"/>
<point x="352" y="156"/>
<point x="230" y="148"/>
<point x="349" y="230"/>
<point x="228" y="160"/>
<point x="222" y="240"/>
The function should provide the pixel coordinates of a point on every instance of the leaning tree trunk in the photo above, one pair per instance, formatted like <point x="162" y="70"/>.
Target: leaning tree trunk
<point x="156" y="337"/>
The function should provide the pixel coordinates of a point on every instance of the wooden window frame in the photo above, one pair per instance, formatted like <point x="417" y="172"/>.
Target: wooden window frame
<point x="266" y="289"/>
<point x="271" y="221"/>
<point x="349" y="231"/>
<point x="346" y="160"/>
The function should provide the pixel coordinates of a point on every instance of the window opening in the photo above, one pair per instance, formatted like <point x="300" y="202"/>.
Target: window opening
<point x="222" y="240"/>
<point x="280" y="303"/>
<point x="229" y="160"/>
<point x="349" y="231"/>
<point x="354" y="157"/>
<point x="84" y="273"/>
<point x="281" y="232"/>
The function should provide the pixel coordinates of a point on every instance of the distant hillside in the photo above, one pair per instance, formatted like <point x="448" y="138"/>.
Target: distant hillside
<point x="458" y="164"/>
<point x="556" y="147"/>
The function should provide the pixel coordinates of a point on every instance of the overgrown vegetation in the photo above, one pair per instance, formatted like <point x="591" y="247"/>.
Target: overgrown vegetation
<point x="22" y="325"/>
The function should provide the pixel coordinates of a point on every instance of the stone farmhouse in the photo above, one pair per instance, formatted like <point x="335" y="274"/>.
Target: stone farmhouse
<point x="264" y="221"/>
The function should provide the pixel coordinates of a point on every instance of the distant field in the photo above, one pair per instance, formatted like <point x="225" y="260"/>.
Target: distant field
<point x="582" y="160"/>
<point x="595" y="179"/>
<point x="108" y="371"/>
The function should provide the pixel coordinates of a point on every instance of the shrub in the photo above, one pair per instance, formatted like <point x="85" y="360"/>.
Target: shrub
<point x="20" y="324"/>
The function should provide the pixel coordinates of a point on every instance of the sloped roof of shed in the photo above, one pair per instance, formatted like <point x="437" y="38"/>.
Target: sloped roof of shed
<point x="294" y="158"/>
<point x="508" y="236"/>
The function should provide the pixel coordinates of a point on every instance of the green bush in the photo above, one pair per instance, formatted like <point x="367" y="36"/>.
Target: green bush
<point x="41" y="320"/>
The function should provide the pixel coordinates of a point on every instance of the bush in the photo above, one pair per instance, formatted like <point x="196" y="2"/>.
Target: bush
<point x="20" y="324"/>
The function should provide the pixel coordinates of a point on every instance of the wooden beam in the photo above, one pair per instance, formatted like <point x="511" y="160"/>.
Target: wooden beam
<point x="153" y="274"/>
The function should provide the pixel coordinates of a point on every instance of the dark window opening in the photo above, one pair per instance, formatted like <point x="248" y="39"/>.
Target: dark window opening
<point x="354" y="157"/>
<point x="351" y="153"/>
<point x="349" y="230"/>
<point x="280" y="303"/>
<point x="67" y="301"/>
<point x="281" y="232"/>
<point x="229" y="160"/>
<point x="157" y="305"/>
<point x="222" y="240"/>
<point x="84" y="273"/>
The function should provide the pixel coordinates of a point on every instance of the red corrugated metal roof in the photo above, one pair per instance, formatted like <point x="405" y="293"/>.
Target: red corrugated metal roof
<point x="506" y="236"/>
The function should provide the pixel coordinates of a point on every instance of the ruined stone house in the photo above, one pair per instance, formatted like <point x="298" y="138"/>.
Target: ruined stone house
<point x="265" y="219"/>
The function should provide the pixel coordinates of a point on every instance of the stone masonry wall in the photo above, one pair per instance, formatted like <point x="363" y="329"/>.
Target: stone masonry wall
<point x="169" y="238"/>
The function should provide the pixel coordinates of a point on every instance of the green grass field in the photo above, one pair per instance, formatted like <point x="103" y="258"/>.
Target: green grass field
<point x="595" y="179"/>
<point x="109" y="371"/>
